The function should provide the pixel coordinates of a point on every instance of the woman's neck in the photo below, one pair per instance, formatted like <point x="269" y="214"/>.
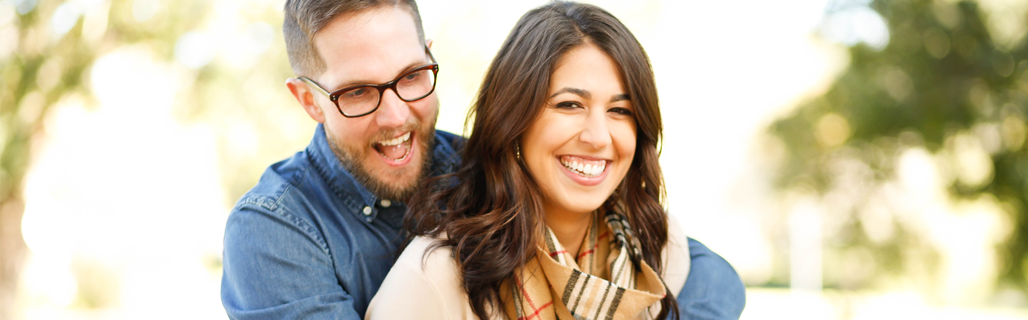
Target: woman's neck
<point x="568" y="227"/>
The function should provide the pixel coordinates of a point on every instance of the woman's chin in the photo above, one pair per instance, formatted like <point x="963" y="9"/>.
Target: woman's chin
<point x="583" y="207"/>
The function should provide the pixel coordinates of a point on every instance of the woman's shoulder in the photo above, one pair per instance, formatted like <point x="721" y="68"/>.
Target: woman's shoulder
<point x="424" y="282"/>
<point x="676" y="256"/>
<point x="428" y="253"/>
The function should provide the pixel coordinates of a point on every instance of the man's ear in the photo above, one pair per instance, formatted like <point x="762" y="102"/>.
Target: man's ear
<point x="305" y="97"/>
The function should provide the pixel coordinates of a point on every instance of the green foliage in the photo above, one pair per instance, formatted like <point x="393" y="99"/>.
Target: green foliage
<point x="940" y="80"/>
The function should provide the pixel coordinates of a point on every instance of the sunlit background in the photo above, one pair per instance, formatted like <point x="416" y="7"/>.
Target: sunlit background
<point x="853" y="159"/>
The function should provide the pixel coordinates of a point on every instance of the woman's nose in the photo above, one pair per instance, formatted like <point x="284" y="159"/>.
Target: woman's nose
<point x="595" y="131"/>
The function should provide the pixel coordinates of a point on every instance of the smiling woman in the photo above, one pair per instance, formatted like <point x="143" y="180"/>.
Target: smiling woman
<point x="581" y="144"/>
<point x="557" y="209"/>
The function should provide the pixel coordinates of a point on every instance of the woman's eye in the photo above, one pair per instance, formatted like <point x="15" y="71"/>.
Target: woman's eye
<point x="567" y="105"/>
<point x="621" y="111"/>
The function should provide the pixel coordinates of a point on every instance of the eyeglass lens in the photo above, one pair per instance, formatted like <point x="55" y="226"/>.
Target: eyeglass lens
<point x="410" y="86"/>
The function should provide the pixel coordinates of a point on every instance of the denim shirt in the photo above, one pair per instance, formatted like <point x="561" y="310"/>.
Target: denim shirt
<point x="309" y="242"/>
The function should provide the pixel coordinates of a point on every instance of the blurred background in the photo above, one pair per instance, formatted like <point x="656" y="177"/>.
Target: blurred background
<point x="853" y="159"/>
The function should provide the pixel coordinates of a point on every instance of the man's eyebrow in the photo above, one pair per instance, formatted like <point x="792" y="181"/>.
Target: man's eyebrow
<point x="576" y="91"/>
<point x="409" y="67"/>
<point x="620" y="97"/>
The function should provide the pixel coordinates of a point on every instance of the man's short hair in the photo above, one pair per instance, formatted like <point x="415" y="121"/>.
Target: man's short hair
<point x="305" y="18"/>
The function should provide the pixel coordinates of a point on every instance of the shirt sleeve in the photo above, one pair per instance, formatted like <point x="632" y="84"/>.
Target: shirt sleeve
<point x="276" y="267"/>
<point x="714" y="290"/>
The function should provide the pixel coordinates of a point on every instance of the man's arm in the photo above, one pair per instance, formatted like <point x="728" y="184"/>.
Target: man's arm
<point x="713" y="289"/>
<point x="277" y="267"/>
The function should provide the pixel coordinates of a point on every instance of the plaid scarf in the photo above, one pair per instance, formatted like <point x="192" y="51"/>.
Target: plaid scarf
<point x="607" y="279"/>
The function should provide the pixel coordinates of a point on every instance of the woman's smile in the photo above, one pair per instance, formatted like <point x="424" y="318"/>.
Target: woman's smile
<point x="584" y="170"/>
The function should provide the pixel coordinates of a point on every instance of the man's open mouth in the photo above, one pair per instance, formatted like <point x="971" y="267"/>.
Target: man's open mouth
<point x="395" y="149"/>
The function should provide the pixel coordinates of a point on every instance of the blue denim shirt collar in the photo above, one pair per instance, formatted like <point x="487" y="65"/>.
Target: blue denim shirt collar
<point x="356" y="197"/>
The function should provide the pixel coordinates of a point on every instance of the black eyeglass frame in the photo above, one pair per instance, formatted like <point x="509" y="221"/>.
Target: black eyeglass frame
<point x="334" y="95"/>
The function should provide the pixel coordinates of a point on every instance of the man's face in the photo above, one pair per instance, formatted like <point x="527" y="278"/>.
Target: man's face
<point x="387" y="150"/>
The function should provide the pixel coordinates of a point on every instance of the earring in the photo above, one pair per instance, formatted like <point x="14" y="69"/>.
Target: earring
<point x="517" y="150"/>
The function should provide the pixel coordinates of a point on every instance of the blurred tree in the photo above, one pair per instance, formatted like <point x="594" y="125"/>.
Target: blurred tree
<point x="34" y="74"/>
<point x="52" y="44"/>
<point x="941" y="84"/>
<point x="48" y="47"/>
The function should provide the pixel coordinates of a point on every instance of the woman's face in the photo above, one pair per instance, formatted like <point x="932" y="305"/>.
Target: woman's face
<point x="581" y="145"/>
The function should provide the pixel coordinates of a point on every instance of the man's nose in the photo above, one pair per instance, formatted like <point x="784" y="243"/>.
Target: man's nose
<point x="595" y="131"/>
<point x="392" y="112"/>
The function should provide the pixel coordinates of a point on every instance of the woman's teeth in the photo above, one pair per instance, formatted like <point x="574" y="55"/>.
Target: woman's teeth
<point x="587" y="170"/>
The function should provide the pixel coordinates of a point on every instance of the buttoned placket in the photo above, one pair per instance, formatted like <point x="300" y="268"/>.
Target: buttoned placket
<point x="371" y="212"/>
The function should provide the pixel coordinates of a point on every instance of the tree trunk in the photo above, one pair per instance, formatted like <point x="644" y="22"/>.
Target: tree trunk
<point x="12" y="254"/>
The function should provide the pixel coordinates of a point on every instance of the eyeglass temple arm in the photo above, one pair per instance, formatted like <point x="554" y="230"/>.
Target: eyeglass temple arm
<point x="430" y="56"/>
<point x="308" y="80"/>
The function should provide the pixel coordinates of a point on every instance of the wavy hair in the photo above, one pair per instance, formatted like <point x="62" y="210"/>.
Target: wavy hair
<point x="491" y="208"/>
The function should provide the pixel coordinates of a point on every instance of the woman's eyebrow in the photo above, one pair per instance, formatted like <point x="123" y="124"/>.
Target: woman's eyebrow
<point x="620" y="97"/>
<point x="576" y="91"/>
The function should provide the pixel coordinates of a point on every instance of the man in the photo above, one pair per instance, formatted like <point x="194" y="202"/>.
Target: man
<point x="316" y="236"/>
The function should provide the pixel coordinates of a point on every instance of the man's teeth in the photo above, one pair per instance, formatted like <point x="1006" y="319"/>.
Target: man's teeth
<point x="397" y="141"/>
<point x="588" y="170"/>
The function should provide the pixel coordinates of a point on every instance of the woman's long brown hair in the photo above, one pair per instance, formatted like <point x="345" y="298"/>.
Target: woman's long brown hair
<point x="491" y="209"/>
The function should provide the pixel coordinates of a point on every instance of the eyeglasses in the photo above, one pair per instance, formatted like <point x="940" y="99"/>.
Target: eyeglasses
<point x="361" y="100"/>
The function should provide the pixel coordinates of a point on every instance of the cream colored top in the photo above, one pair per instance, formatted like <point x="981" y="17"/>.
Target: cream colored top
<point x="428" y="286"/>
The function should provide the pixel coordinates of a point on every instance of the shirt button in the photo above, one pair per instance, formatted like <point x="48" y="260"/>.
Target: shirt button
<point x="367" y="211"/>
<point x="386" y="203"/>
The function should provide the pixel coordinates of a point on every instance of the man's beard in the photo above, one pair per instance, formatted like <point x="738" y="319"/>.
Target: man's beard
<point x="390" y="186"/>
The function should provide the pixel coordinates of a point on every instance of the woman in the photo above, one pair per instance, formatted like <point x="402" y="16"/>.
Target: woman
<point x="556" y="211"/>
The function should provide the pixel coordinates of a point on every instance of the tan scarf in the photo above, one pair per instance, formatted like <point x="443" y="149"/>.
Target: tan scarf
<point x="608" y="279"/>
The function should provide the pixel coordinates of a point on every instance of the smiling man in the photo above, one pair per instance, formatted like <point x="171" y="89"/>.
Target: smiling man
<point x="317" y="235"/>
